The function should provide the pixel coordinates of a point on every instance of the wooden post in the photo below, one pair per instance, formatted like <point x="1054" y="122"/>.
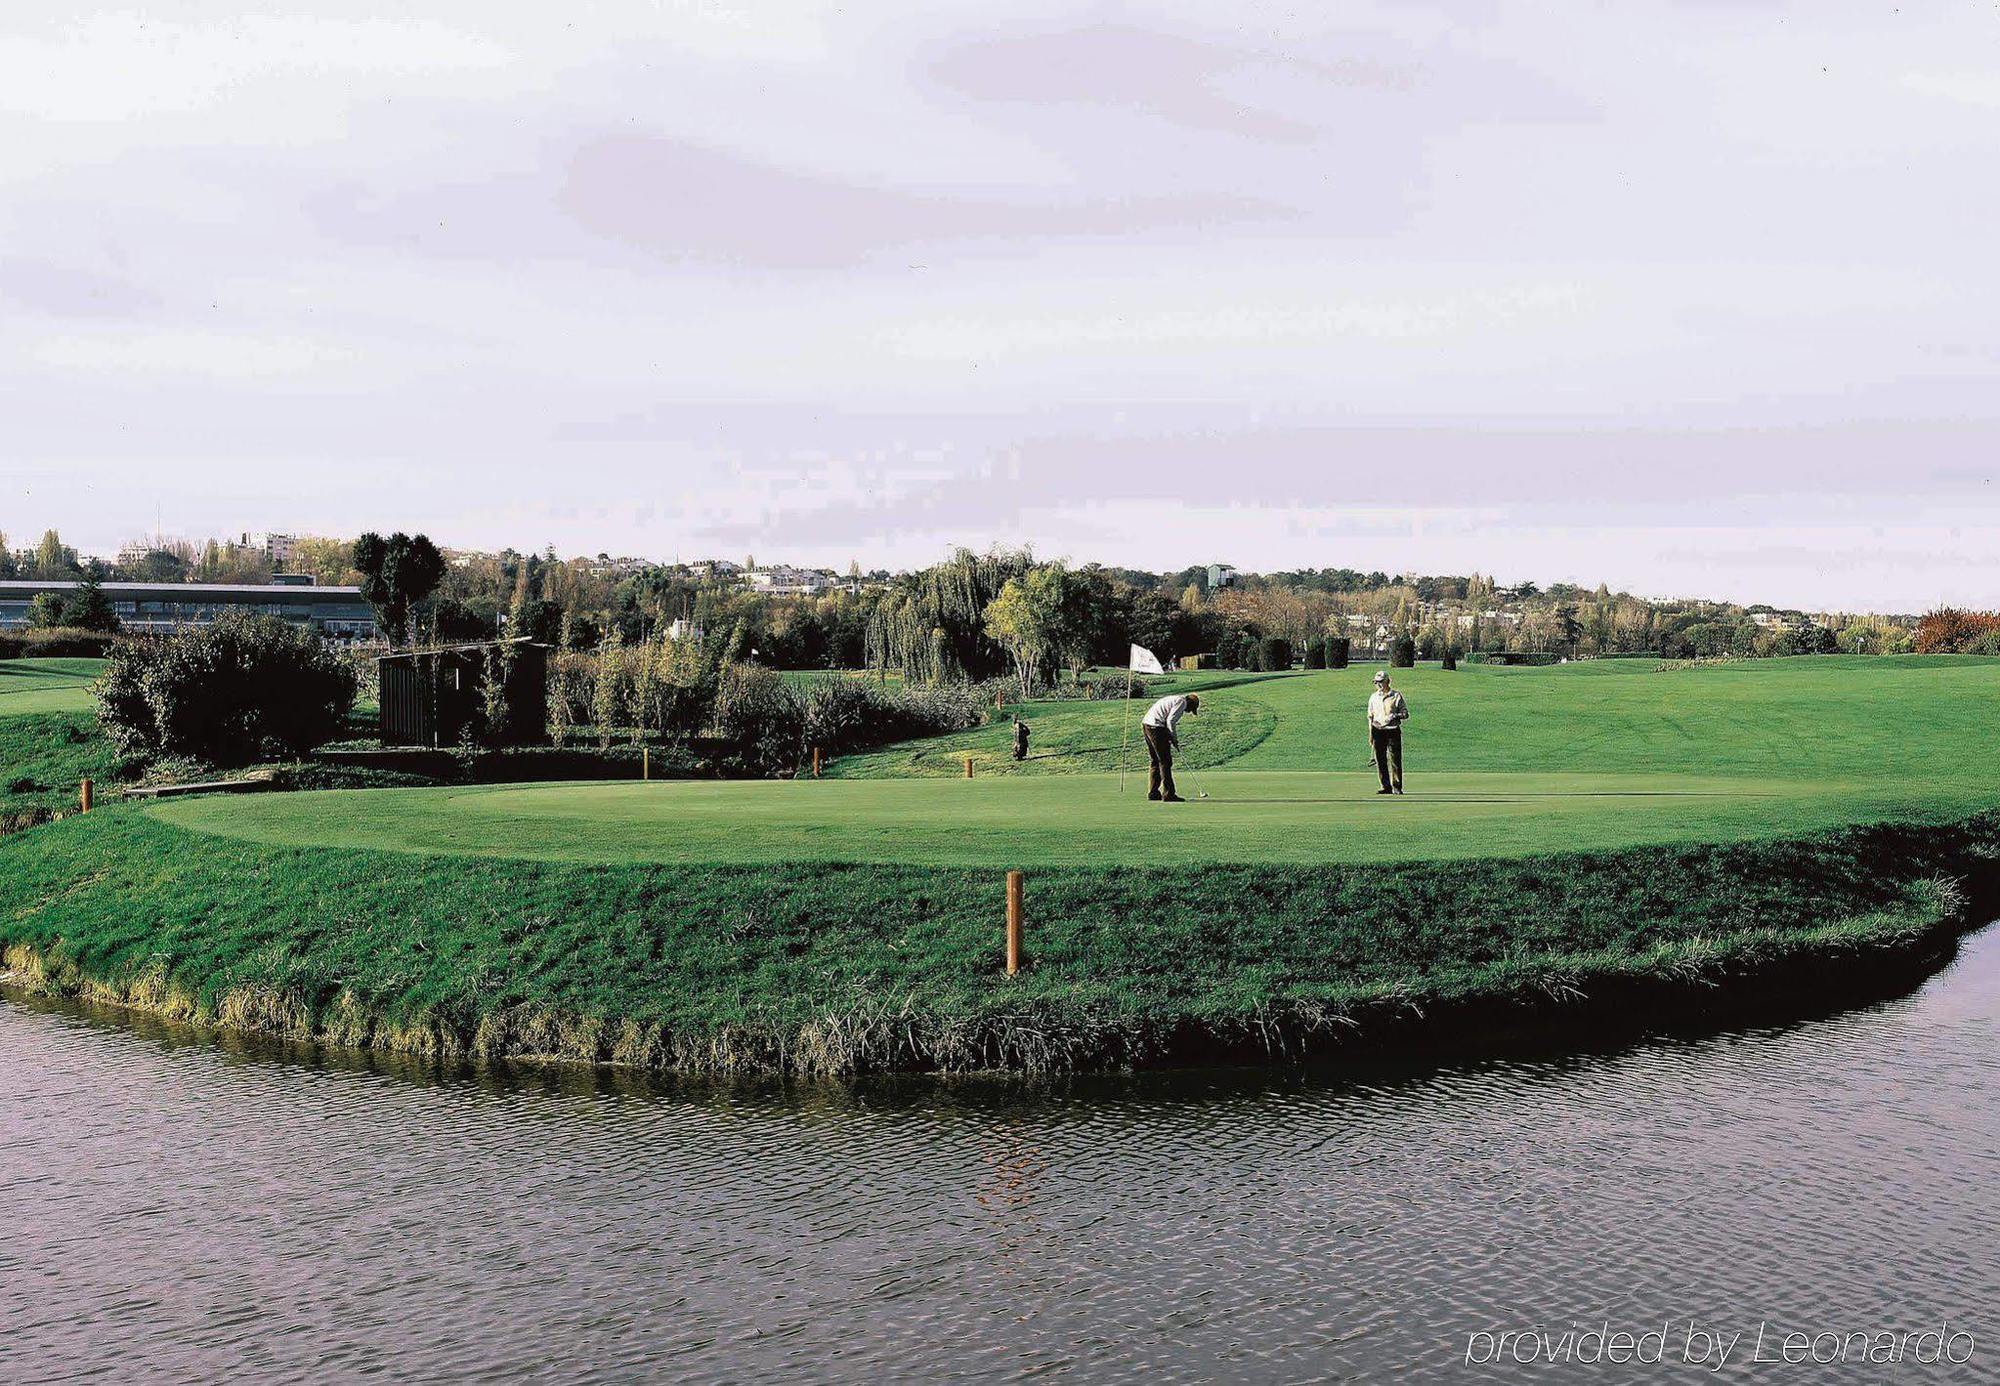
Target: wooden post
<point x="1013" y="922"/>
<point x="645" y="762"/>
<point x="83" y="796"/>
<point x="999" y="700"/>
<point x="815" y="762"/>
<point x="968" y="767"/>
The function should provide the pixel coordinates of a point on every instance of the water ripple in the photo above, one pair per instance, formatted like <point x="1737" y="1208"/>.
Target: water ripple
<point x="179" y="1209"/>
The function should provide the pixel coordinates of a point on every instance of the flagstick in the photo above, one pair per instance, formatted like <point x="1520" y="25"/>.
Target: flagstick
<point x="1125" y="736"/>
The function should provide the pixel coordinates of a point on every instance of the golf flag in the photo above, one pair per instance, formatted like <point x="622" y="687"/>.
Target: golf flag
<point x="1144" y="661"/>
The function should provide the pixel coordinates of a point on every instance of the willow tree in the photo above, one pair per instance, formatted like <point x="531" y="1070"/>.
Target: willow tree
<point x="933" y="627"/>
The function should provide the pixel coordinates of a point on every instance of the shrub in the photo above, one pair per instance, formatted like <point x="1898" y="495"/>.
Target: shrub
<point x="1951" y="631"/>
<point x="84" y="607"/>
<point x="1338" y="648"/>
<point x="850" y="714"/>
<point x="760" y="721"/>
<point x="1402" y="652"/>
<point x="1113" y="689"/>
<point x="1987" y="644"/>
<point x="1229" y="650"/>
<point x="1274" y="654"/>
<point x="1315" y="654"/>
<point x="61" y="642"/>
<point x="1450" y="660"/>
<point x="228" y="693"/>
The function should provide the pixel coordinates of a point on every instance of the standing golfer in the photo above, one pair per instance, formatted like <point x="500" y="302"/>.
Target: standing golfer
<point x="1020" y="739"/>
<point x="1386" y="714"/>
<point x="1161" y="728"/>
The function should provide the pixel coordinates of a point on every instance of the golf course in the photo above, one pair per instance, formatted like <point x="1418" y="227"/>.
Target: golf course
<point x="1617" y="830"/>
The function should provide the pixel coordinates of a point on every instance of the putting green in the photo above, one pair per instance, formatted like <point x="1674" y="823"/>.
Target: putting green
<point x="1077" y="820"/>
<point x="1502" y="762"/>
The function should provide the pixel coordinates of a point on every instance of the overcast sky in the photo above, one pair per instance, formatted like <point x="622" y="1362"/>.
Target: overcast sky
<point x="1689" y="298"/>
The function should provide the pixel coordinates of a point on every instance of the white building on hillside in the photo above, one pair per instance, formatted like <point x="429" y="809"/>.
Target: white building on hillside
<point x="781" y="581"/>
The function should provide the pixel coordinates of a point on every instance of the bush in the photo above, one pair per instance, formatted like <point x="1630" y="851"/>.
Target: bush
<point x="1951" y="631"/>
<point x="1315" y="654"/>
<point x="244" y="688"/>
<point x="1987" y="644"/>
<point x="1338" y="647"/>
<point x="1229" y="650"/>
<point x="84" y="607"/>
<point x="1450" y="660"/>
<point x="1113" y="690"/>
<point x="60" y="642"/>
<point x="761" y="723"/>
<point x="1274" y="654"/>
<point x="851" y="714"/>
<point x="1402" y="652"/>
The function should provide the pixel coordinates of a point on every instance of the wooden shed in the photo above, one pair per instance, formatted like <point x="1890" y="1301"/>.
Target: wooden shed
<point x="438" y="697"/>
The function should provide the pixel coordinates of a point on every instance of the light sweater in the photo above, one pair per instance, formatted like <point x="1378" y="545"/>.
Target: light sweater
<point x="1387" y="709"/>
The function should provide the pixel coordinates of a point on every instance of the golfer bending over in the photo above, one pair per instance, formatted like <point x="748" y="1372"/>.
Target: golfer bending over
<point x="1161" y="728"/>
<point x="1386" y="714"/>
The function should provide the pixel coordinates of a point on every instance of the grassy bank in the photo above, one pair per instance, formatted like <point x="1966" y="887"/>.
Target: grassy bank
<point x="846" y="968"/>
<point x="49" y="738"/>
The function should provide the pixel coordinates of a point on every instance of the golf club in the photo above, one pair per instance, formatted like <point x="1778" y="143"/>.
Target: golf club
<point x="1199" y="792"/>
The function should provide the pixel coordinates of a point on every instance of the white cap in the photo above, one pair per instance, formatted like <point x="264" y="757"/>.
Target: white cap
<point x="1381" y="676"/>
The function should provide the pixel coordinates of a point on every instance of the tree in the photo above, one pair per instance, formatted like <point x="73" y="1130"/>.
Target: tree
<point x="1567" y="628"/>
<point x="85" y="607"/>
<point x="1033" y="619"/>
<point x="52" y="557"/>
<point x="330" y="561"/>
<point x="397" y="575"/>
<point x="159" y="565"/>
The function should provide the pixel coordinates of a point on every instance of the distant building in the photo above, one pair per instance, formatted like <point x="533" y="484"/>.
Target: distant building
<point x="1220" y="575"/>
<point x="337" y="612"/>
<point x="280" y="549"/>
<point x="780" y="581"/>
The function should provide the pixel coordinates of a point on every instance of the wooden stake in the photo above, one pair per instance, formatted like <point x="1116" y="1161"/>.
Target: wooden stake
<point x="815" y="762"/>
<point x="1013" y="922"/>
<point x="83" y="796"/>
<point x="645" y="762"/>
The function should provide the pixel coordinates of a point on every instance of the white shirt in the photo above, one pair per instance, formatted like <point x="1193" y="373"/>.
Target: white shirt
<point x="1386" y="709"/>
<point x="1167" y="713"/>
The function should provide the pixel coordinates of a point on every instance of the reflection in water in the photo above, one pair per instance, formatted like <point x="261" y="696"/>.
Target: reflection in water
<point x="181" y="1207"/>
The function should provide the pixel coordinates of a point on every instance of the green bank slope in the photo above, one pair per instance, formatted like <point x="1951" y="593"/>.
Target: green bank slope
<point x="49" y="739"/>
<point x="824" y="969"/>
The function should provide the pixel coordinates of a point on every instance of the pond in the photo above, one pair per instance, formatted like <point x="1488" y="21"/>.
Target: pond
<point x="180" y="1205"/>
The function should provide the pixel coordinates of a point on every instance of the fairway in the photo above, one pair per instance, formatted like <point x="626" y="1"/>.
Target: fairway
<point x="1502" y="762"/>
<point x="46" y="685"/>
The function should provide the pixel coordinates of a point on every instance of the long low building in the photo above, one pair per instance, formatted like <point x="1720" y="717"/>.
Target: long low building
<point x="338" y="612"/>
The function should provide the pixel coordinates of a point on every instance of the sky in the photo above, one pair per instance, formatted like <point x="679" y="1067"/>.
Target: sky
<point x="1690" y="298"/>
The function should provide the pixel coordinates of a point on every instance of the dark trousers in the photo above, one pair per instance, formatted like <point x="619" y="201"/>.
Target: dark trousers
<point x="1388" y="755"/>
<point x="1160" y="756"/>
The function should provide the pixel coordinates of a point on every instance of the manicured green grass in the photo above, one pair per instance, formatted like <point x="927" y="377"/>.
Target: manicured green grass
<point x="1072" y="738"/>
<point x="1069" y="820"/>
<point x="49" y="738"/>
<point x="46" y="685"/>
<point x="1501" y="762"/>
<point x="1568" y="830"/>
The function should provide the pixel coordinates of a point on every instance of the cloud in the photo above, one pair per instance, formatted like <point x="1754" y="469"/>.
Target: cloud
<point x="67" y="292"/>
<point x="680" y="201"/>
<point x="225" y="355"/>
<point x="1178" y="79"/>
